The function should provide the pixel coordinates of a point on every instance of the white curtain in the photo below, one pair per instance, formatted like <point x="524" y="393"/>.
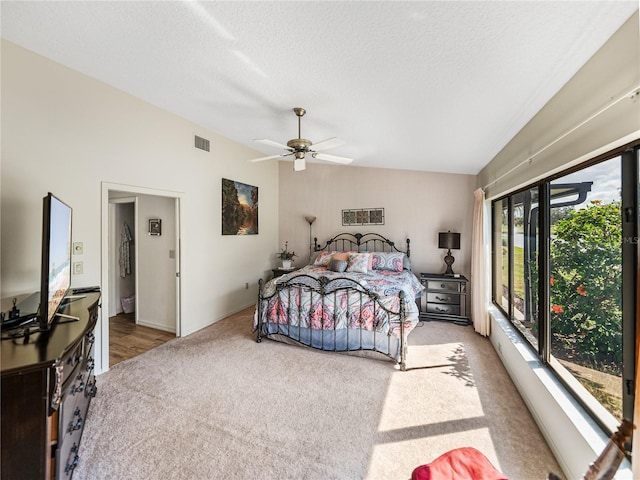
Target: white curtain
<point x="478" y="268"/>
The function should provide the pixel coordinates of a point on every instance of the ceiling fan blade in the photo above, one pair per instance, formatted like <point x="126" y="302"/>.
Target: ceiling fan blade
<point x="299" y="165"/>
<point x="328" y="143"/>
<point x="266" y="141"/>
<point x="332" y="158"/>
<point x="261" y="159"/>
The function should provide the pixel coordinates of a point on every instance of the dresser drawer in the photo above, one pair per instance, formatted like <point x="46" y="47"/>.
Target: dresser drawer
<point x="72" y="420"/>
<point x="443" y="297"/>
<point x="72" y="417"/>
<point x="64" y="374"/>
<point x="443" y="308"/>
<point x="67" y="456"/>
<point x="72" y="364"/>
<point x="444" y="286"/>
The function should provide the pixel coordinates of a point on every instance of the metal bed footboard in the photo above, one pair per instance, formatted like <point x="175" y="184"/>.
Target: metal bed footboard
<point x="333" y="332"/>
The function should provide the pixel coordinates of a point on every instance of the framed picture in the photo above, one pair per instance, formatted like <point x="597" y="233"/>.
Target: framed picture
<point x="155" y="227"/>
<point x="348" y="217"/>
<point x="363" y="216"/>
<point x="239" y="208"/>
<point x="376" y="216"/>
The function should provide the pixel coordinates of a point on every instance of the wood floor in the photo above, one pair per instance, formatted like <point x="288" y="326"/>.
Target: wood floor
<point x="126" y="339"/>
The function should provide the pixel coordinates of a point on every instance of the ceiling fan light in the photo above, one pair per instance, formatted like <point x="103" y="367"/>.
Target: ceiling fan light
<point x="299" y="164"/>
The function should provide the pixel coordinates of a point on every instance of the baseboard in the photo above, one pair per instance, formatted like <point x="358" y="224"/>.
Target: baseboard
<point x="237" y="310"/>
<point x="156" y="326"/>
<point x="197" y="328"/>
<point x="573" y="436"/>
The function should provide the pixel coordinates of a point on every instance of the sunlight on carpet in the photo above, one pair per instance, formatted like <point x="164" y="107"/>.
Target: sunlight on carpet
<point x="433" y="407"/>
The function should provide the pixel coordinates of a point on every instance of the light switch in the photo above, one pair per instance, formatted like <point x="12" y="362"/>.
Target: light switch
<point x="172" y="254"/>
<point x="77" y="268"/>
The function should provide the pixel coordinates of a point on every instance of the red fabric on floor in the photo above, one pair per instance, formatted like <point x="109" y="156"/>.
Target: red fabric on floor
<point x="464" y="463"/>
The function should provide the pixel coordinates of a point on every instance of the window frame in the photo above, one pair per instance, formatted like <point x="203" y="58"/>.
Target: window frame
<point x="630" y="184"/>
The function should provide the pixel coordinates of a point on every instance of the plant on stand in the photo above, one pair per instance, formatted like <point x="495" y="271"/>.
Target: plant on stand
<point x="286" y="256"/>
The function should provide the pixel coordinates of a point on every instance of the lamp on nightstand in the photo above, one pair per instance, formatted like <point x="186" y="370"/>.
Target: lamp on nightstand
<point x="310" y="219"/>
<point x="450" y="241"/>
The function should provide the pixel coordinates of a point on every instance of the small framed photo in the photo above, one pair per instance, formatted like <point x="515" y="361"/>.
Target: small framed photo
<point x="155" y="226"/>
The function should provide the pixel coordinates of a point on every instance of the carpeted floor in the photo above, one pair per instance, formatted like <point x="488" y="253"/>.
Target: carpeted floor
<point x="218" y="405"/>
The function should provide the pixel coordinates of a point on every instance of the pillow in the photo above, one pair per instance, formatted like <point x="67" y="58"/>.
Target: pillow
<point x="314" y="257"/>
<point x="337" y="265"/>
<point x="359" y="262"/>
<point x="323" y="258"/>
<point x="342" y="256"/>
<point x="393" y="261"/>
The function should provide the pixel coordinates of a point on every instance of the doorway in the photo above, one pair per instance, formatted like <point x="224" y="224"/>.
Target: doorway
<point x="122" y="254"/>
<point x="140" y="271"/>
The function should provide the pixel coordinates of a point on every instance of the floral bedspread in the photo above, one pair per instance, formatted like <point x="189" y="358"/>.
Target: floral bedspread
<point x="343" y="310"/>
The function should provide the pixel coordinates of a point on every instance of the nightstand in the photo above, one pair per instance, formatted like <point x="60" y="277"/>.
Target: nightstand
<point x="444" y="298"/>
<point x="277" y="272"/>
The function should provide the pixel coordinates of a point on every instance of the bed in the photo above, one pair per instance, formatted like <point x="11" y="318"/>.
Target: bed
<point x="356" y="296"/>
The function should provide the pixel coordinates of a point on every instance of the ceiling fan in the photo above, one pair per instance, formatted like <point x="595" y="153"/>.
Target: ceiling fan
<point x="299" y="147"/>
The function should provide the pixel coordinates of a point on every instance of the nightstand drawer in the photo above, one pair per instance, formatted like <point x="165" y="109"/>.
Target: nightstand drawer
<point x="443" y="297"/>
<point x="443" y="285"/>
<point x="443" y="308"/>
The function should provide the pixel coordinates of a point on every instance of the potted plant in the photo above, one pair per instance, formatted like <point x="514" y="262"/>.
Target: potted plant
<point x="286" y="256"/>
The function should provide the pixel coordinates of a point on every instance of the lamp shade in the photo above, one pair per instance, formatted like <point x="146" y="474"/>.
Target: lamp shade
<point x="449" y="240"/>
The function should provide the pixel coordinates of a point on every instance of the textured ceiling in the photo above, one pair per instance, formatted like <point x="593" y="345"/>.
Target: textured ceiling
<point x="436" y="86"/>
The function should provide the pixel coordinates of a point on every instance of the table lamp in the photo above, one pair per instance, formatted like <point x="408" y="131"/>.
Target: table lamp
<point x="450" y="241"/>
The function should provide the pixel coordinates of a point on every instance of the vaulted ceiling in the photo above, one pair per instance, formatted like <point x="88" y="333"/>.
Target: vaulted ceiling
<point x="435" y="86"/>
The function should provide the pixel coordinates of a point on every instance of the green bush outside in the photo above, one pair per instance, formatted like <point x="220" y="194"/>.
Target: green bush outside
<point x="585" y="286"/>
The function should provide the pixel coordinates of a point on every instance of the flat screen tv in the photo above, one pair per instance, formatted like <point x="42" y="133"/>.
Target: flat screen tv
<point x="55" y="273"/>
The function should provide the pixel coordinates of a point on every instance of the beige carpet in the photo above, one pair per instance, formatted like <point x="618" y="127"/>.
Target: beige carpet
<point x="218" y="405"/>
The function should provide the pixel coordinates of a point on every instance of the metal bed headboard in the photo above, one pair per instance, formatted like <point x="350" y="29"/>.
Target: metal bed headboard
<point x="360" y="242"/>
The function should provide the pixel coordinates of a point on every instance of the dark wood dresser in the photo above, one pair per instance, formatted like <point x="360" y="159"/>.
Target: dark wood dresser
<point x="47" y="384"/>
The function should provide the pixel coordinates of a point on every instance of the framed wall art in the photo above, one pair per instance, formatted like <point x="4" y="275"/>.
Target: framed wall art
<point x="239" y="208"/>
<point x="363" y="216"/>
<point x="155" y="227"/>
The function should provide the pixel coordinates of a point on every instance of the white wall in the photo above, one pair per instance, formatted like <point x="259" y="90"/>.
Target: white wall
<point x="417" y="205"/>
<point x="67" y="133"/>
<point x="593" y="113"/>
